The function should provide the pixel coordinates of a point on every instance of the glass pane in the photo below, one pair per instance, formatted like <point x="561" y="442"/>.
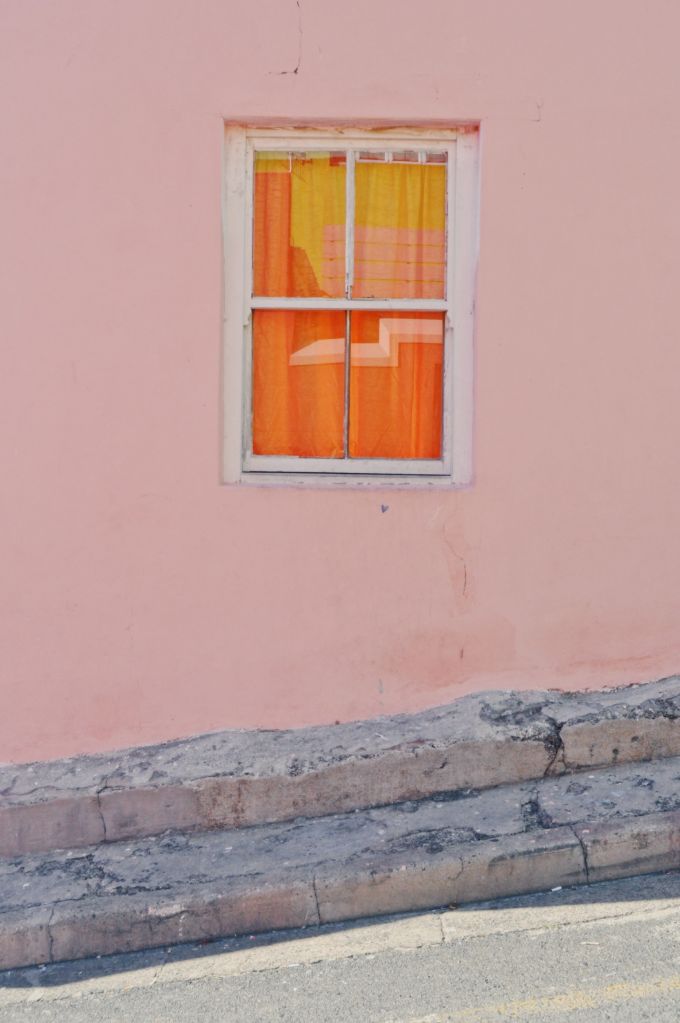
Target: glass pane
<point x="400" y="226"/>
<point x="299" y="225"/>
<point x="395" y="390"/>
<point x="298" y="382"/>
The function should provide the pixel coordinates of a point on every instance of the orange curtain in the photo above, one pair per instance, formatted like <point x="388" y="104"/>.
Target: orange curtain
<point x="299" y="251"/>
<point x="395" y="400"/>
<point x="298" y="391"/>
<point x="396" y="385"/>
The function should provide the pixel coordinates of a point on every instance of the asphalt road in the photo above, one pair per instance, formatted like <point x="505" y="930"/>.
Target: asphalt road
<point x="610" y="952"/>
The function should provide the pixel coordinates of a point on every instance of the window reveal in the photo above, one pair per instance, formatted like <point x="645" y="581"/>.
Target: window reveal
<point x="353" y="358"/>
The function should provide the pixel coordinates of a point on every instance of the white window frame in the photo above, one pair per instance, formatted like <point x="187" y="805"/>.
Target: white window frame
<point x="239" y="464"/>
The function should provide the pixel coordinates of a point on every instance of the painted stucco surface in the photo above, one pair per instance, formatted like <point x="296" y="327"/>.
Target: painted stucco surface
<point x="142" y="600"/>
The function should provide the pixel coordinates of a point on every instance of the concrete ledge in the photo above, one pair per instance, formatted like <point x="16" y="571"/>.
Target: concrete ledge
<point x="624" y="848"/>
<point x="510" y="840"/>
<point x="128" y="923"/>
<point x="465" y="873"/>
<point x="240" y="778"/>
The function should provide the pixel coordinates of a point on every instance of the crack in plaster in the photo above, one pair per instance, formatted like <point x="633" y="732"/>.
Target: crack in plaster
<point x="298" y="65"/>
<point x="460" y="559"/>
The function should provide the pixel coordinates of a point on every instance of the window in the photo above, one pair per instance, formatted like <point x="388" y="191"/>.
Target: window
<point x="349" y="282"/>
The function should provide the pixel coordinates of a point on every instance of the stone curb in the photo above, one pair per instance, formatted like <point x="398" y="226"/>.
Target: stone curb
<point x="158" y="891"/>
<point x="114" y="924"/>
<point x="514" y="865"/>
<point x="240" y="778"/>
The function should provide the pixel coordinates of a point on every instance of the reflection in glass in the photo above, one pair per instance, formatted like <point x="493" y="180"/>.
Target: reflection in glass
<point x="396" y="385"/>
<point x="299" y="224"/>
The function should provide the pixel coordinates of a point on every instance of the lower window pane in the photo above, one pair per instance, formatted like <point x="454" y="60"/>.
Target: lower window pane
<point x="396" y="385"/>
<point x="298" y="382"/>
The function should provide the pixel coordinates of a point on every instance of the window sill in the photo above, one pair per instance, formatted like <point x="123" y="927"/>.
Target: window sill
<point x="326" y="481"/>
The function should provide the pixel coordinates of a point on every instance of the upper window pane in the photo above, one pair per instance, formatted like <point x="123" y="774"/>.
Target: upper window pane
<point x="299" y="224"/>
<point x="400" y="225"/>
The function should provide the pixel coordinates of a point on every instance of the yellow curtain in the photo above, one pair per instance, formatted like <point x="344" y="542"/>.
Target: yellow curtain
<point x="399" y="248"/>
<point x="395" y="401"/>
<point x="299" y="225"/>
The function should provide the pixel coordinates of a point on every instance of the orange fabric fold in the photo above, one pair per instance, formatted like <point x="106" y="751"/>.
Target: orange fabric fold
<point x="298" y="397"/>
<point x="396" y="385"/>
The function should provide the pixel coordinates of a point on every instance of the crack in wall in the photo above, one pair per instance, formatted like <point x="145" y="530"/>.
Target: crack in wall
<point x="298" y="65"/>
<point x="461" y="561"/>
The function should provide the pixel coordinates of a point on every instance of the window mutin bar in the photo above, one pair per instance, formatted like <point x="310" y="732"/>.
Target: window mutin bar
<point x="348" y="362"/>
<point x="426" y="305"/>
<point x="350" y="158"/>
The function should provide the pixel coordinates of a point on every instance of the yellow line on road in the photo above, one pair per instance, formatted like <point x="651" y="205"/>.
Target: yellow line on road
<point x="570" y="1001"/>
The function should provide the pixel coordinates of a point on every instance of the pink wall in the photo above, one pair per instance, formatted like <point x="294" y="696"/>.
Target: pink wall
<point x="141" y="600"/>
